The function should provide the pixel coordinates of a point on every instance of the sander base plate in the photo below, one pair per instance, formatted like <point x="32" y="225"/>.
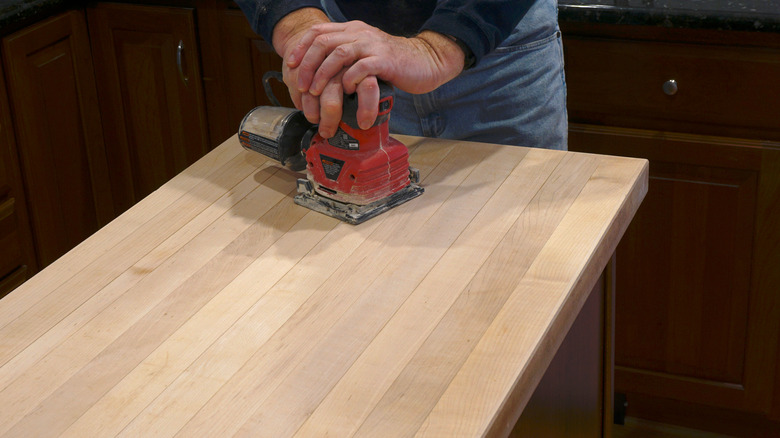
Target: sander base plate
<point x="352" y="213"/>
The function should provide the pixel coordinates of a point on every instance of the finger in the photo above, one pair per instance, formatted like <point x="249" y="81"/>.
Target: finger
<point x="331" y="103"/>
<point x="288" y="76"/>
<point x="295" y="96"/>
<point x="341" y="56"/>
<point x="368" y="102"/>
<point x="310" y="105"/>
<point x="364" y="68"/>
<point x="294" y="58"/>
<point x="319" y="49"/>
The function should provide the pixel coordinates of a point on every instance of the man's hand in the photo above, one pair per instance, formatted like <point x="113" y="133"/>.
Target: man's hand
<point x="287" y="32"/>
<point x="325" y="107"/>
<point x="357" y="54"/>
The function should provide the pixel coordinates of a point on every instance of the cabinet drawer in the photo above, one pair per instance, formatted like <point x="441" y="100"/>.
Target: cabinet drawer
<point x="622" y="82"/>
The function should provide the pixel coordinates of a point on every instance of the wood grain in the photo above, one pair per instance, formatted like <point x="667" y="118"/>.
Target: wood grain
<point x="218" y="307"/>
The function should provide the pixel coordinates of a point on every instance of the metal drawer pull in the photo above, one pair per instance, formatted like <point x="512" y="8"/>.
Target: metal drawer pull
<point x="179" y="55"/>
<point x="670" y="87"/>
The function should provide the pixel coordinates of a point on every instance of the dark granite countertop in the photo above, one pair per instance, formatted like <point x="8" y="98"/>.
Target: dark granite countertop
<point x="742" y="15"/>
<point x="15" y="14"/>
<point x="738" y="15"/>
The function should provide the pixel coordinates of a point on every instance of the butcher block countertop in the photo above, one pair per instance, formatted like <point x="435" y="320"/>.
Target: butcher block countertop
<point x="217" y="307"/>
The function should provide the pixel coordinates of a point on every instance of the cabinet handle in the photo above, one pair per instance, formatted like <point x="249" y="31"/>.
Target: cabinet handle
<point x="670" y="87"/>
<point x="179" y="56"/>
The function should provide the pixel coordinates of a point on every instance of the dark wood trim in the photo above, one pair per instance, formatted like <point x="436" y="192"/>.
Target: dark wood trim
<point x="610" y="283"/>
<point x="700" y="417"/>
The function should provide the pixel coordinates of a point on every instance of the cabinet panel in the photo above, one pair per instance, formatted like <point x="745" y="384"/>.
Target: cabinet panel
<point x="58" y="132"/>
<point x="147" y="70"/>
<point x="17" y="254"/>
<point x="234" y="61"/>
<point x="686" y="313"/>
<point x="697" y="306"/>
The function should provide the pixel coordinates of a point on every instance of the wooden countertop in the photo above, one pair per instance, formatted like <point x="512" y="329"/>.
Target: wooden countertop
<point x="218" y="307"/>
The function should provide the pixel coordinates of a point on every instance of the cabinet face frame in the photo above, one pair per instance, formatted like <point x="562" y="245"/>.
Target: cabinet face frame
<point x="59" y="139"/>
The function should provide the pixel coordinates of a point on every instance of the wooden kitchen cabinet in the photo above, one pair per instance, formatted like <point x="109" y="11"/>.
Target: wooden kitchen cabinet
<point x="104" y="117"/>
<point x="698" y="301"/>
<point x="17" y="259"/>
<point x="148" y="73"/>
<point x="53" y="108"/>
<point x="235" y="59"/>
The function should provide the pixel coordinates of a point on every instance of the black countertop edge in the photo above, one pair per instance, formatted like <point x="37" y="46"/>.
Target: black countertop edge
<point x="670" y="18"/>
<point x="15" y="14"/>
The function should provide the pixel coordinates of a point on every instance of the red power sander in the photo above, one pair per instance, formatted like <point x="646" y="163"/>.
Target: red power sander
<point x="354" y="175"/>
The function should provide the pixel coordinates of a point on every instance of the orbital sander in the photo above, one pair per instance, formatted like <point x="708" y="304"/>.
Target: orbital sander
<point x="353" y="176"/>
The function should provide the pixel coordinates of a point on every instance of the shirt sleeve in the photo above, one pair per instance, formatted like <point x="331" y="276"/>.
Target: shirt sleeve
<point x="264" y="14"/>
<point x="480" y="24"/>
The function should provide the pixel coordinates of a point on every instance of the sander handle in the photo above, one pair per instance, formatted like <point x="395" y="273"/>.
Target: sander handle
<point x="350" y="107"/>
<point x="267" y="85"/>
<point x="350" y="101"/>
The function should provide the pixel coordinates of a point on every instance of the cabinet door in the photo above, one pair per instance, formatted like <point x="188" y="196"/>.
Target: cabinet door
<point x="17" y="257"/>
<point x="54" y="108"/>
<point x="234" y="62"/>
<point x="697" y="307"/>
<point x="151" y="98"/>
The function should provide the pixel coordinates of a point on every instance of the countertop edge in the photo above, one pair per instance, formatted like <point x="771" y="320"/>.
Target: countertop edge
<point x="670" y="18"/>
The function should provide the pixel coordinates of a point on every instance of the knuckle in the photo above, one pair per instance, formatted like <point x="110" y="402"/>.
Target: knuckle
<point x="341" y="51"/>
<point x="364" y="113"/>
<point x="330" y="106"/>
<point x="321" y="41"/>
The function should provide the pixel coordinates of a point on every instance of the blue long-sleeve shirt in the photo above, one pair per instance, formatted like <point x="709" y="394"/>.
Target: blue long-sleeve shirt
<point x="479" y="24"/>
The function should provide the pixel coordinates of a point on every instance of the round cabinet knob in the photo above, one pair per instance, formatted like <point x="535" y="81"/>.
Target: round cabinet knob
<point x="670" y="87"/>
